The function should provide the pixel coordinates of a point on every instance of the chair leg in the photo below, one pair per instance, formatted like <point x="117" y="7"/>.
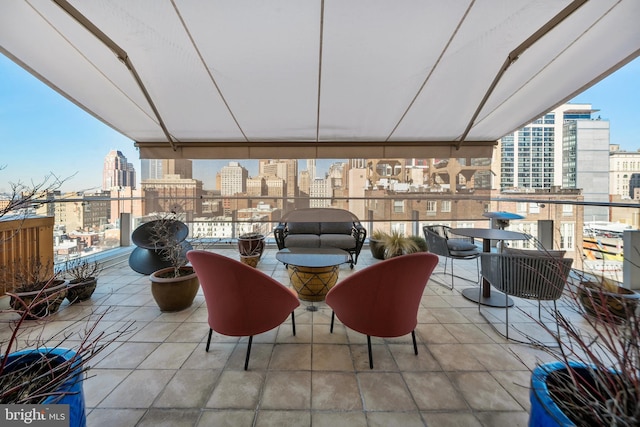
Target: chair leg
<point x="209" y="339"/>
<point x="333" y="315"/>
<point x="539" y="311"/>
<point x="555" y="316"/>
<point x="415" y="344"/>
<point x="451" y="273"/>
<point x="506" y="307"/>
<point x="246" y="360"/>
<point x="293" y="323"/>
<point x="370" y="354"/>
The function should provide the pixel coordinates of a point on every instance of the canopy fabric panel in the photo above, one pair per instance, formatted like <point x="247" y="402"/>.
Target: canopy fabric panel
<point x="319" y="78"/>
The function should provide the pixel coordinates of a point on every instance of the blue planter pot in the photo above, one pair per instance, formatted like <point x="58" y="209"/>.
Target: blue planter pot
<point x="74" y="394"/>
<point x="544" y="412"/>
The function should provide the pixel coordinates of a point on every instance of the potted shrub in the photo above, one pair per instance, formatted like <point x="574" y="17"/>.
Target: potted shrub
<point x="251" y="247"/>
<point x="38" y="291"/>
<point x="595" y="379"/>
<point x="376" y="243"/>
<point x="83" y="279"/>
<point x="617" y="301"/>
<point x="396" y="244"/>
<point x="173" y="288"/>
<point x="420" y="242"/>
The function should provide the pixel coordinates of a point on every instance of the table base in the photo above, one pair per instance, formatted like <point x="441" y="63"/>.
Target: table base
<point x="312" y="283"/>
<point x="495" y="300"/>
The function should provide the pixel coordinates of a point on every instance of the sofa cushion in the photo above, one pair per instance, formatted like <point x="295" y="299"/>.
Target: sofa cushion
<point x="336" y="227"/>
<point x="302" y="241"/>
<point x="303" y="227"/>
<point x="340" y="241"/>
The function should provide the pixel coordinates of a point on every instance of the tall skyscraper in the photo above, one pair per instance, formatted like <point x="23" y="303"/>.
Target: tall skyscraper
<point x="532" y="157"/>
<point x="159" y="168"/>
<point x="311" y="167"/>
<point x="233" y="179"/>
<point x="586" y="163"/>
<point x="117" y="171"/>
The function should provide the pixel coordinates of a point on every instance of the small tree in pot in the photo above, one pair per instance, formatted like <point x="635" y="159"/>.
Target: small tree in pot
<point x="174" y="288"/>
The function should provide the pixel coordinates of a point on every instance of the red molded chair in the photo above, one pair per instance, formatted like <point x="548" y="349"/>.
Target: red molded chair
<point x="241" y="300"/>
<point x="382" y="300"/>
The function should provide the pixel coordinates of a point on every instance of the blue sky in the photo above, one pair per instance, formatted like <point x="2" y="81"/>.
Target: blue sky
<point x="39" y="128"/>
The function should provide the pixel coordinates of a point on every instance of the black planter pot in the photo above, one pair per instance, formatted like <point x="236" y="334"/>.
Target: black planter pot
<point x="377" y="248"/>
<point x="41" y="303"/>
<point x="81" y="290"/>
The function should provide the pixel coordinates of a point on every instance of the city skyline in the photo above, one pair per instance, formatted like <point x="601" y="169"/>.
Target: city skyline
<point x="39" y="127"/>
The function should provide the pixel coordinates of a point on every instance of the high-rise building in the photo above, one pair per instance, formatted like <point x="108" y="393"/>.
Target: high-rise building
<point x="158" y="168"/>
<point x="311" y="167"/>
<point x="532" y="157"/>
<point x="117" y="171"/>
<point x="585" y="163"/>
<point x="320" y="193"/>
<point x="286" y="169"/>
<point x="233" y="179"/>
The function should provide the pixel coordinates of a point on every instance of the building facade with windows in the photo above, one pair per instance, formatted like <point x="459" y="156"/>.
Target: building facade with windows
<point x="624" y="171"/>
<point x="233" y="179"/>
<point x="532" y="156"/>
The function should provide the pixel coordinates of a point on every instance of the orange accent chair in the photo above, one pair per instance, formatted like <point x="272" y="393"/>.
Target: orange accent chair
<point x="382" y="300"/>
<point x="241" y="300"/>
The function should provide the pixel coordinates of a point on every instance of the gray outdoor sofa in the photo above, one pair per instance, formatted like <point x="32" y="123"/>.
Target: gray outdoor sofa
<point x="321" y="228"/>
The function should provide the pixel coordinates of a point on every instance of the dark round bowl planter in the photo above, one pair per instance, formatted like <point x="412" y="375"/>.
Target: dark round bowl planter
<point x="81" y="290"/>
<point x="617" y="304"/>
<point x="72" y="393"/>
<point x="48" y="301"/>
<point x="377" y="248"/>
<point x="174" y="293"/>
<point x="251" y="244"/>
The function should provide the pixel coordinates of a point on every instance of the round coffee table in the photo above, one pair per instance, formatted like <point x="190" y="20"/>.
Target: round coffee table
<point x="312" y="271"/>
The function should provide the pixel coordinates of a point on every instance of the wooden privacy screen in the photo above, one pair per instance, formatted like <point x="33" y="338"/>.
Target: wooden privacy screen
<point x="24" y="241"/>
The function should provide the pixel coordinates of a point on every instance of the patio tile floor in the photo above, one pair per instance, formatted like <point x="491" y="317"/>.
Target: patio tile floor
<point x="466" y="374"/>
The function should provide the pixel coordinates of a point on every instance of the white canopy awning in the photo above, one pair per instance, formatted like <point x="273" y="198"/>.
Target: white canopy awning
<point x="319" y="78"/>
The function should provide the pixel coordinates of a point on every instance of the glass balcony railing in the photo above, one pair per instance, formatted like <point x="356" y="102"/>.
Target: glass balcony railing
<point x="90" y="225"/>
